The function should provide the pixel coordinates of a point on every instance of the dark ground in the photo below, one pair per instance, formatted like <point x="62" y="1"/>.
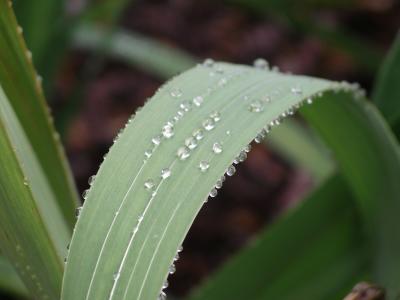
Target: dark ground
<point x="265" y="184"/>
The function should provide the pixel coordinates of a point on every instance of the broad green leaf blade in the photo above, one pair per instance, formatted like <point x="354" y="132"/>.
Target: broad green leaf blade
<point x="368" y="154"/>
<point x="22" y="88"/>
<point x="9" y="279"/>
<point x="313" y="252"/>
<point x="127" y="234"/>
<point x="386" y="93"/>
<point x="163" y="61"/>
<point x="33" y="232"/>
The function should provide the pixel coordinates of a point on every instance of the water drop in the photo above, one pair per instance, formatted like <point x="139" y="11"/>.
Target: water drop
<point x="261" y="63"/>
<point x="180" y="248"/>
<point x="165" y="284"/>
<point x="85" y="194"/>
<point x="218" y="184"/>
<point x="258" y="139"/>
<point x="228" y="132"/>
<point x="296" y="90"/>
<point x="176" y="257"/>
<point x="156" y="140"/>
<point x="198" y="100"/>
<point x="242" y="156"/>
<point x="213" y="193"/>
<point x="116" y="276"/>
<point x="20" y="30"/>
<point x="165" y="173"/>
<point x="26" y="181"/>
<point x="78" y="211"/>
<point x="208" y="124"/>
<point x="256" y="106"/>
<point x="183" y="153"/>
<point x="176" y="93"/>
<point x="208" y="62"/>
<point x="217" y="148"/>
<point x="186" y="105"/>
<point x="148" y="153"/>
<point x="91" y="179"/>
<point x="162" y="296"/>
<point x="28" y="54"/>
<point x="180" y="113"/>
<point x="230" y="171"/>
<point x="204" y="165"/>
<point x="172" y="269"/>
<point x="191" y="142"/>
<point x="149" y="184"/>
<point x="198" y="134"/>
<point x="222" y="81"/>
<point x="309" y="101"/>
<point x="168" y="130"/>
<point x="247" y="148"/>
<point x="140" y="219"/>
<point x="216" y="116"/>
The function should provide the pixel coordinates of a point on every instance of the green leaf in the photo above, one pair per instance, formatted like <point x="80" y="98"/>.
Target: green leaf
<point x="33" y="232"/>
<point x="22" y="87"/>
<point x="127" y="235"/>
<point x="133" y="48"/>
<point x="368" y="154"/>
<point x="386" y="93"/>
<point x="9" y="279"/>
<point x="315" y="251"/>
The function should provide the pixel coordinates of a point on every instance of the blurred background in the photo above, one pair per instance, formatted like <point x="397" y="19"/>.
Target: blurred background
<point x="100" y="60"/>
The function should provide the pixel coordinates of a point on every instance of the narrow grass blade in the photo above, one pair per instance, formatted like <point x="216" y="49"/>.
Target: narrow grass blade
<point x="23" y="90"/>
<point x="386" y="93"/>
<point x="9" y="279"/>
<point x="152" y="185"/>
<point x="313" y="252"/>
<point x="145" y="53"/>
<point x="33" y="232"/>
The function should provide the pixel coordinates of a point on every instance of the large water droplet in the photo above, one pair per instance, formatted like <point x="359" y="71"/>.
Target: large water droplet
<point x="309" y="101"/>
<point x="148" y="153"/>
<point x="198" y="100"/>
<point x="183" y="153"/>
<point x="208" y="124"/>
<point x="217" y="148"/>
<point x="176" y="93"/>
<point x="116" y="276"/>
<point x="149" y="184"/>
<point x="204" y="165"/>
<point x="165" y="284"/>
<point x="168" y="130"/>
<point x="256" y="106"/>
<point x="85" y="194"/>
<point x="165" y="173"/>
<point x="191" y="142"/>
<point x="261" y="63"/>
<point x="230" y="171"/>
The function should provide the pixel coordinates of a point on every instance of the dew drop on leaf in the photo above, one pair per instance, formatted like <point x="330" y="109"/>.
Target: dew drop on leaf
<point x="156" y="140"/>
<point x="213" y="193"/>
<point x="168" y="130"/>
<point x="208" y="124"/>
<point x="172" y="269"/>
<point x="256" y="106"/>
<point x="198" y="100"/>
<point x="230" y="171"/>
<point x="165" y="173"/>
<point x="191" y="142"/>
<point x="216" y="116"/>
<point x="261" y="64"/>
<point x="186" y="106"/>
<point x="198" y="134"/>
<point x="183" y="153"/>
<point x="217" y="148"/>
<point x="204" y="165"/>
<point x="149" y="184"/>
<point x="176" y="93"/>
<point x="208" y="62"/>
<point x="296" y="90"/>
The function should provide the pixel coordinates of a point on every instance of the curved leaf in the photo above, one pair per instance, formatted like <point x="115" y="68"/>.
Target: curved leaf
<point x="22" y="87"/>
<point x="135" y="216"/>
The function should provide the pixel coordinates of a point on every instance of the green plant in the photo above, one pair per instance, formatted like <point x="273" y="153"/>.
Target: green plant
<point x="164" y="164"/>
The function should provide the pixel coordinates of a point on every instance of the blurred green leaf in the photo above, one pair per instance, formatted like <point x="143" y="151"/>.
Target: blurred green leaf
<point x="22" y="87"/>
<point x="386" y="92"/>
<point x="9" y="279"/>
<point x="315" y="251"/>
